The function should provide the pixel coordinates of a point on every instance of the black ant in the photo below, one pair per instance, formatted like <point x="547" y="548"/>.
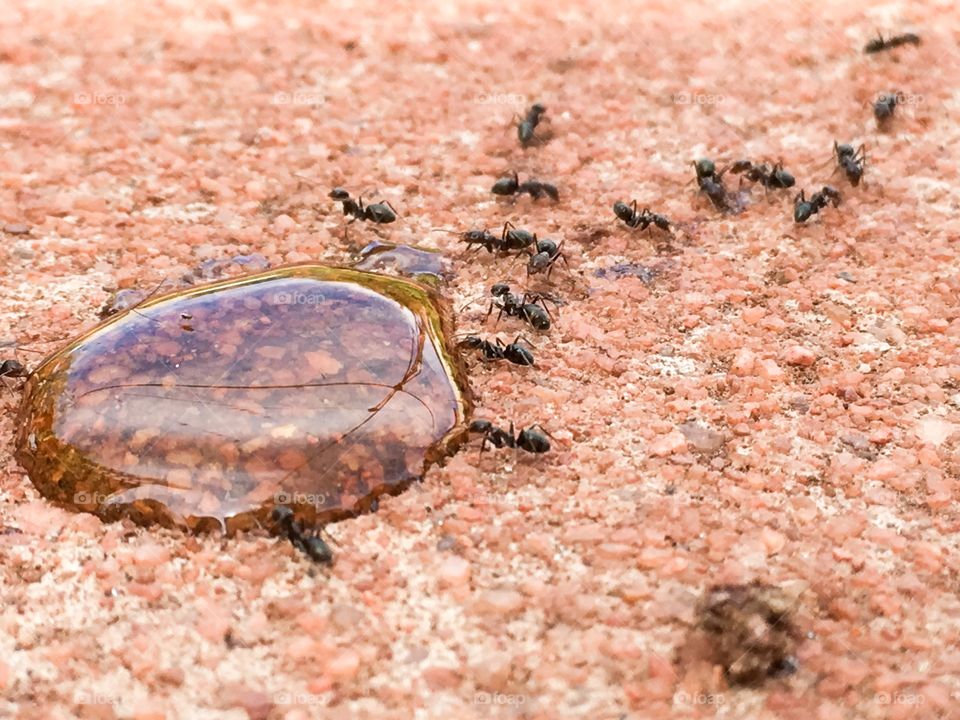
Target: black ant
<point x="480" y="238"/>
<point x="530" y="307"/>
<point x="511" y="185"/>
<point x="772" y="178"/>
<point x="878" y="44"/>
<point x="711" y="184"/>
<point x="883" y="107"/>
<point x="311" y="545"/>
<point x="803" y="209"/>
<point x="533" y="439"/>
<point x="514" y="352"/>
<point x="642" y="219"/>
<point x="529" y="123"/>
<point x="13" y="369"/>
<point x="548" y="252"/>
<point x="852" y="161"/>
<point x="380" y="213"/>
<point x="511" y="238"/>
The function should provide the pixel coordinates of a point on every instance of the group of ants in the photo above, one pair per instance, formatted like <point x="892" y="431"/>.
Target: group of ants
<point x="852" y="161"/>
<point x="531" y="307"/>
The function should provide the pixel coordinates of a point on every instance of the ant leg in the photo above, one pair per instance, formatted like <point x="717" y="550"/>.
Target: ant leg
<point x="644" y="219"/>
<point x="526" y="343"/>
<point x="483" y="445"/>
<point x="542" y="428"/>
<point x="492" y="352"/>
<point x="549" y="268"/>
<point x="557" y="256"/>
<point x="490" y="310"/>
<point x="471" y="302"/>
<point x="537" y="297"/>
<point x="520" y="254"/>
<point x="322" y="530"/>
<point x="543" y="304"/>
<point x="834" y="157"/>
<point x="503" y="234"/>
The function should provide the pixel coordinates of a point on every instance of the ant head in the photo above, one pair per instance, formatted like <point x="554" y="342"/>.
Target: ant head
<point x="623" y="211"/>
<point x="843" y="150"/>
<point x="471" y="341"/>
<point x="500" y="289"/>
<point x="705" y="166"/>
<point x="538" y="108"/>
<point x="339" y="193"/>
<point x="480" y="426"/>
<point x="832" y="193"/>
<point x="282" y="515"/>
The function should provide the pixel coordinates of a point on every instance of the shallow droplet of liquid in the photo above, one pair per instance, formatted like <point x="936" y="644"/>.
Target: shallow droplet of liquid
<point x="422" y="264"/>
<point x="314" y="387"/>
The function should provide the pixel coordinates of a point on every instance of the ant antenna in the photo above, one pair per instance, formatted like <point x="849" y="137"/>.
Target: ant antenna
<point x="471" y="302"/>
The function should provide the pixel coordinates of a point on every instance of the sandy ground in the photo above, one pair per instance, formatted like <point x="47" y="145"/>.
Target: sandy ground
<point x="820" y="363"/>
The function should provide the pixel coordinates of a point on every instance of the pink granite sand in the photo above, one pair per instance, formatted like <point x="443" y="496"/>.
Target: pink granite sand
<point x="820" y="363"/>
